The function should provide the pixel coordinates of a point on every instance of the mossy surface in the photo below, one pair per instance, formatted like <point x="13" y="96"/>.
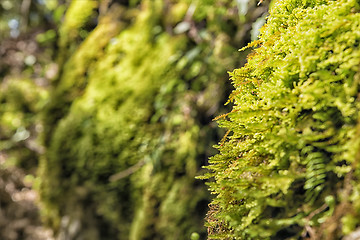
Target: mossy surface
<point x="128" y="124"/>
<point x="288" y="167"/>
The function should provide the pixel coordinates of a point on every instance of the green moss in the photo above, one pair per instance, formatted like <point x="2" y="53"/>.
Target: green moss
<point x="76" y="18"/>
<point x="20" y="102"/>
<point x="293" y="137"/>
<point x="127" y="126"/>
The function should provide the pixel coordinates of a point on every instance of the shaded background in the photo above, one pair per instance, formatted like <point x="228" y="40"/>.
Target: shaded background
<point x="106" y="113"/>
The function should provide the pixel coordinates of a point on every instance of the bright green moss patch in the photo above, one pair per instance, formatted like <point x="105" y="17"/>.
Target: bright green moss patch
<point x="288" y="168"/>
<point x="92" y="144"/>
<point x="128" y="124"/>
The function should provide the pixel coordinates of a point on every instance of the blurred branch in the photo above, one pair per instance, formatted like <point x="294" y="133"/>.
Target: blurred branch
<point x="25" y="9"/>
<point x="104" y="7"/>
<point x="127" y="172"/>
<point x="354" y="235"/>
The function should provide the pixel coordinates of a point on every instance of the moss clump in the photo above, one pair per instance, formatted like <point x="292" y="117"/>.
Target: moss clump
<point x="129" y="119"/>
<point x="288" y="167"/>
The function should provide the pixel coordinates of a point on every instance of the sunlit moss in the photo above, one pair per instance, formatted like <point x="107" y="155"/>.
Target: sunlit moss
<point x="293" y="143"/>
<point x="129" y="121"/>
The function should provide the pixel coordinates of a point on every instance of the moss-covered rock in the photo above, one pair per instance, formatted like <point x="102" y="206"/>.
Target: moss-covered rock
<point x="288" y="167"/>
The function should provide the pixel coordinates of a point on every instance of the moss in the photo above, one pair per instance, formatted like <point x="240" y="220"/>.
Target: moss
<point x="128" y="123"/>
<point x="21" y="99"/>
<point x="287" y="167"/>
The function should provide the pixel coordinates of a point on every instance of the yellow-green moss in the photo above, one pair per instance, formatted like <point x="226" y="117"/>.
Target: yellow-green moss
<point x="20" y="102"/>
<point x="288" y="167"/>
<point x="128" y="123"/>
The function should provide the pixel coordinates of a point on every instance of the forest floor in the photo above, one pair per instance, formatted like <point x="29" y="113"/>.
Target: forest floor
<point x="19" y="213"/>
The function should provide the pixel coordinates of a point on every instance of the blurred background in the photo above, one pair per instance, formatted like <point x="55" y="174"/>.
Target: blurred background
<point x="106" y="112"/>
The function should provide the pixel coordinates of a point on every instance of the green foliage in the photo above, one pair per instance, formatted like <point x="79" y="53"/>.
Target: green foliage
<point x="23" y="91"/>
<point x="128" y="123"/>
<point x="20" y="101"/>
<point x="288" y="166"/>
